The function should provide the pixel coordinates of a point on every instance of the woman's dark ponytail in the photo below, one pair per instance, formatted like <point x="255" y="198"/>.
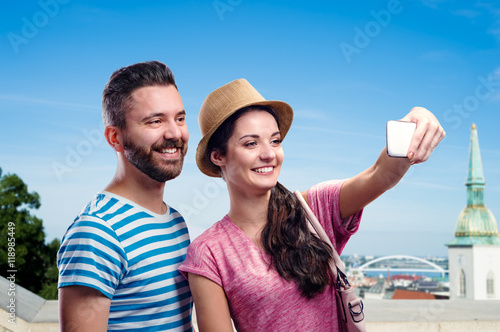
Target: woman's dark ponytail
<point x="296" y="254"/>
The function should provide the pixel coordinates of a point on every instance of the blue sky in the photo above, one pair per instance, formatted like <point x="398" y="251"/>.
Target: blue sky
<point x="345" y="67"/>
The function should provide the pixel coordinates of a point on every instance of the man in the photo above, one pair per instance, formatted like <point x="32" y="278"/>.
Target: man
<point x="118" y="260"/>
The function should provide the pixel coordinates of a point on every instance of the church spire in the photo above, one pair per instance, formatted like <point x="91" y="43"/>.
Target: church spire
<point x="476" y="224"/>
<point x="475" y="178"/>
<point x="475" y="175"/>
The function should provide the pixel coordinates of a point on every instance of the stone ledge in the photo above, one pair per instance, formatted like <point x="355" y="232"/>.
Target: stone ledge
<point x="381" y="316"/>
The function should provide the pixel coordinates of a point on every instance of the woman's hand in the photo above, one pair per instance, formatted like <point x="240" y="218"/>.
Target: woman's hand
<point x="427" y="135"/>
<point x="360" y="190"/>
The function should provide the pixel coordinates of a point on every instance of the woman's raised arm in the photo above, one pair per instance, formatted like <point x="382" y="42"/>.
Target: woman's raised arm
<point x="360" y="190"/>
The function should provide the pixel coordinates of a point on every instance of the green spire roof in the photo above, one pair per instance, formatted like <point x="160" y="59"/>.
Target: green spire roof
<point x="476" y="224"/>
<point x="475" y="175"/>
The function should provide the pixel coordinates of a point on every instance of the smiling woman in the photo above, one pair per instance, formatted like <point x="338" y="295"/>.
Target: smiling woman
<point x="252" y="157"/>
<point x="260" y="265"/>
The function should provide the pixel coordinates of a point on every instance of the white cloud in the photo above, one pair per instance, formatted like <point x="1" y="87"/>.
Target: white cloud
<point x="311" y="114"/>
<point x="29" y="100"/>
<point x="339" y="132"/>
<point x="477" y="10"/>
<point x="432" y="3"/>
<point x="467" y="13"/>
<point x="494" y="12"/>
<point x="429" y="185"/>
<point x="438" y="56"/>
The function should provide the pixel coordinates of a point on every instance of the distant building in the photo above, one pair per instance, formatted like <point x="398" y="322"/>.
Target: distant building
<point x="474" y="253"/>
<point x="404" y="294"/>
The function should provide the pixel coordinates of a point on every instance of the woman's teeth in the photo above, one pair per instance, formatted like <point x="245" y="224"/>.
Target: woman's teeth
<point x="264" y="169"/>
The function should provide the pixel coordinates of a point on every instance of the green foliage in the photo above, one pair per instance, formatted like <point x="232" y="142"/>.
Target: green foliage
<point x="49" y="288"/>
<point x="35" y="261"/>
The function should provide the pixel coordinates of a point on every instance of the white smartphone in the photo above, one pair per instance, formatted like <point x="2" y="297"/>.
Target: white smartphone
<point x="398" y="137"/>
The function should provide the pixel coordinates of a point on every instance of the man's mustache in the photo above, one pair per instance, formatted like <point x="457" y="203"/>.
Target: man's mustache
<point x="169" y="144"/>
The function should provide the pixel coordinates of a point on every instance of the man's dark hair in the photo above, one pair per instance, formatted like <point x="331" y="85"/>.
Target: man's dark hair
<point x="117" y="93"/>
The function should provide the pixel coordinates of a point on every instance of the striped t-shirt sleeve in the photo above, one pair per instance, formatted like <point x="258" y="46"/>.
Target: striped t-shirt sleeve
<point x="91" y="255"/>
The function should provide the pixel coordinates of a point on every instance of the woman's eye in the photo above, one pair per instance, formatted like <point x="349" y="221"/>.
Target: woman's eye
<point x="276" y="142"/>
<point x="250" y="144"/>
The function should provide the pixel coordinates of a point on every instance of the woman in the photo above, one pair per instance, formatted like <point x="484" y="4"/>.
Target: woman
<point x="259" y="265"/>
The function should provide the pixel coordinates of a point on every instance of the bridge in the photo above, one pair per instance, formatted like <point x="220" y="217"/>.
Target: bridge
<point x="400" y="264"/>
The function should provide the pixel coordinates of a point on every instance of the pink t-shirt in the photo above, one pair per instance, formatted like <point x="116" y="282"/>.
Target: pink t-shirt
<point x="259" y="299"/>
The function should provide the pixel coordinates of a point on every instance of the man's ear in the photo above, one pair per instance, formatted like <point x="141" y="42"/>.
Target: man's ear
<point x="114" y="138"/>
<point x="216" y="158"/>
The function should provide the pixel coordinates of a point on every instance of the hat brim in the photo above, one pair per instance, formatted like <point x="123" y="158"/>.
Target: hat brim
<point x="284" y="113"/>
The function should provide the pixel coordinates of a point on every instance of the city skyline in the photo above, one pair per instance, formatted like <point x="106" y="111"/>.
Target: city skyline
<point x="345" y="68"/>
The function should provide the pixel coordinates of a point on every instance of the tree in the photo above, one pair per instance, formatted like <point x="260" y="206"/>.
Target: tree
<point x="34" y="261"/>
<point x="49" y="288"/>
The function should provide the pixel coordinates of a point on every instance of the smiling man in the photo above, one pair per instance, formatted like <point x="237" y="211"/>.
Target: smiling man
<point x="118" y="260"/>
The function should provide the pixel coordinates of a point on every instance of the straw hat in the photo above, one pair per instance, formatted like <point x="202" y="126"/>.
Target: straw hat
<point x="225" y="101"/>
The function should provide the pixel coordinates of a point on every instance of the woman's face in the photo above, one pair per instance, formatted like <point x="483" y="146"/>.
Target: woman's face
<point x="254" y="154"/>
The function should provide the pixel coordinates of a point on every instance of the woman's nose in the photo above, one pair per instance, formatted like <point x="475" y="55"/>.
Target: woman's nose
<point x="267" y="152"/>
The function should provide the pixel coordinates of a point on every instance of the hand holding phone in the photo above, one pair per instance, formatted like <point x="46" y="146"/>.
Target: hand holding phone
<point x="398" y="138"/>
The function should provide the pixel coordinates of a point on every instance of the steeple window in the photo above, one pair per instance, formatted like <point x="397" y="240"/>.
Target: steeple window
<point x="490" y="284"/>
<point x="461" y="290"/>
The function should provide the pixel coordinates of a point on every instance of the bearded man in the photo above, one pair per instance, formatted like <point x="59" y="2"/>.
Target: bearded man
<point x="118" y="260"/>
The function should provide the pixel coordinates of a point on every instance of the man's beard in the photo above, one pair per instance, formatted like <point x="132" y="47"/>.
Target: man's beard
<point x="158" y="170"/>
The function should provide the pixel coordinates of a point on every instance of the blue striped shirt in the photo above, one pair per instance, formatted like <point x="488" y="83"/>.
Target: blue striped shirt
<point x="131" y="255"/>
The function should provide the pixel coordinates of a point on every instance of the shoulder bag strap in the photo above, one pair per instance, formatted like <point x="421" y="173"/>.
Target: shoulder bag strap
<point x="316" y="228"/>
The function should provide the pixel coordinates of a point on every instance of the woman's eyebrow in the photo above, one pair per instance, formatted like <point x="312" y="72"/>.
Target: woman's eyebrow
<point x="256" y="136"/>
<point x="248" y="136"/>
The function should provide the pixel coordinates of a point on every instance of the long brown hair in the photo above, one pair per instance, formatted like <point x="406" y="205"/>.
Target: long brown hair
<point x="295" y="253"/>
